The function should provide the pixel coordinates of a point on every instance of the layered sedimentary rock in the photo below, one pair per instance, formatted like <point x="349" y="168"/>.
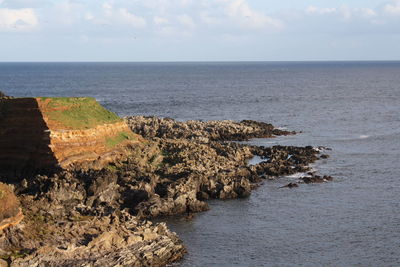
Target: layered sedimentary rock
<point x="48" y="133"/>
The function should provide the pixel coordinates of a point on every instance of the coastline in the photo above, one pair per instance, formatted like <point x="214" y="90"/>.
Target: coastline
<point x="181" y="166"/>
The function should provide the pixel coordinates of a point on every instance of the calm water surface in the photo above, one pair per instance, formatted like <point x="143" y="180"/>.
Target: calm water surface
<point x="352" y="107"/>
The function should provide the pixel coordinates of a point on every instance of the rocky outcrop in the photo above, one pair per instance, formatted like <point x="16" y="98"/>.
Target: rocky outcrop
<point x="73" y="220"/>
<point x="10" y="211"/>
<point x="193" y="162"/>
<point x="42" y="134"/>
<point x="98" y="217"/>
<point x="150" y="127"/>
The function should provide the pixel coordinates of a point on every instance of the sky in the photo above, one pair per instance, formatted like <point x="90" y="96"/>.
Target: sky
<point x="199" y="30"/>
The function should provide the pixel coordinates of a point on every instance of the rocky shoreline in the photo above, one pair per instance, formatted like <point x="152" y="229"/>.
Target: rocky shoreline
<point x="101" y="218"/>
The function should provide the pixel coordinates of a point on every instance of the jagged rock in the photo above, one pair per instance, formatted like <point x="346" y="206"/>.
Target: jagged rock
<point x="150" y="127"/>
<point x="97" y="217"/>
<point x="95" y="241"/>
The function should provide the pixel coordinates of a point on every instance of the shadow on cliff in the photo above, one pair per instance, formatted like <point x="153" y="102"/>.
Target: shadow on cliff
<point x="24" y="140"/>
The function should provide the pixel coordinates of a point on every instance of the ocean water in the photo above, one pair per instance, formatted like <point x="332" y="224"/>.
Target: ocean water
<point x="351" y="107"/>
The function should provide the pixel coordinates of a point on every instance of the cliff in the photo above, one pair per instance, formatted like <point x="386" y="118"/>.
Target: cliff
<point x="38" y="134"/>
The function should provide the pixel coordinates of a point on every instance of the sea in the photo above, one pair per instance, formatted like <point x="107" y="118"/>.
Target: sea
<point x="351" y="107"/>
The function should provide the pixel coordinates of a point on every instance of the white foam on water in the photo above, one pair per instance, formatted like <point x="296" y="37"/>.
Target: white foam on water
<point x="301" y="174"/>
<point x="363" y="136"/>
<point x="256" y="160"/>
<point x="297" y="175"/>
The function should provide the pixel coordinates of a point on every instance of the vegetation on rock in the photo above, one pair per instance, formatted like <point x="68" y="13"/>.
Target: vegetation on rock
<point x="120" y="138"/>
<point x="48" y="133"/>
<point x="76" y="113"/>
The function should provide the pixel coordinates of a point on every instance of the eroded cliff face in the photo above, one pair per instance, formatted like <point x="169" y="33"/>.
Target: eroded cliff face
<point x="92" y="147"/>
<point x="38" y="134"/>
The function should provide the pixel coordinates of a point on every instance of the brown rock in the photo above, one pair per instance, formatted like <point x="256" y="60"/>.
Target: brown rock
<point x="97" y="217"/>
<point x="49" y="133"/>
<point x="10" y="211"/>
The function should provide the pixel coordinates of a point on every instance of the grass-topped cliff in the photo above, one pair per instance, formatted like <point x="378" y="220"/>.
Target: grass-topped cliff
<point x="75" y="113"/>
<point x="44" y="132"/>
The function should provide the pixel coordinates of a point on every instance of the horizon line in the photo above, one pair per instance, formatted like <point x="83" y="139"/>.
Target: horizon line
<point x="205" y="61"/>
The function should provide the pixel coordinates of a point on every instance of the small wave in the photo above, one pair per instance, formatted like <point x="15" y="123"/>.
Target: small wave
<point x="297" y="175"/>
<point x="363" y="136"/>
<point x="256" y="160"/>
<point x="302" y="174"/>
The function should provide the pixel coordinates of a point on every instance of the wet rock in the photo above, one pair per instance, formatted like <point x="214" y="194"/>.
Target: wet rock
<point x="316" y="179"/>
<point x="290" y="185"/>
<point x="98" y="217"/>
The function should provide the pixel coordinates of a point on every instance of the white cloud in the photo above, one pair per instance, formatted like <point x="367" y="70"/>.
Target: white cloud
<point x="208" y="18"/>
<point x="392" y="8"/>
<point x="320" y="10"/>
<point x="66" y="13"/>
<point x="186" y="21"/>
<point x="107" y="8"/>
<point x="366" y="12"/>
<point x="131" y="19"/>
<point x="122" y="16"/>
<point x="240" y="12"/>
<point x="160" y="20"/>
<point x="17" y="19"/>
<point x="344" y="11"/>
<point x="89" y="16"/>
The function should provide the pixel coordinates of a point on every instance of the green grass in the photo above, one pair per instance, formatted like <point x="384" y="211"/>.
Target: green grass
<point x="121" y="137"/>
<point x="15" y="254"/>
<point x="78" y="112"/>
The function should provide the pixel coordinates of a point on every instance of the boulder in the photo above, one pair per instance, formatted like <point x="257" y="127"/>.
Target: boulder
<point x="10" y="211"/>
